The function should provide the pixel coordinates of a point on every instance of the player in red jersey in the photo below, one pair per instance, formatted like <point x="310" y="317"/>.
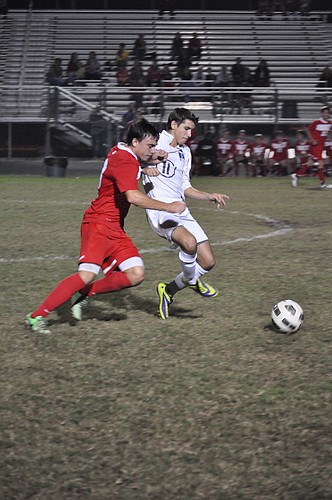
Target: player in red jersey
<point x="257" y="155"/>
<point x="239" y="150"/>
<point x="225" y="153"/>
<point x="279" y="154"/>
<point x="317" y="132"/>
<point x="104" y="244"/>
<point x="303" y="161"/>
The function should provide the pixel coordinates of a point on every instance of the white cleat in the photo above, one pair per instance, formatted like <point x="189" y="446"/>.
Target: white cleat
<point x="326" y="186"/>
<point x="295" y="180"/>
<point x="78" y="303"/>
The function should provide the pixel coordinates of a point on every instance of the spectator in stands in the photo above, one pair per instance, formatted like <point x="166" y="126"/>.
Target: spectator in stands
<point x="305" y="7"/>
<point x="136" y="74"/>
<point x="199" y="77"/>
<point x="3" y="8"/>
<point x="166" y="76"/>
<point x="223" y="78"/>
<point x="194" y="47"/>
<point x="210" y="77"/>
<point x="73" y="67"/>
<point x="129" y="115"/>
<point x="55" y="75"/>
<point x="139" y="49"/>
<point x="92" y="67"/>
<point x="263" y="8"/>
<point x="262" y="74"/>
<point x="186" y="83"/>
<point x="97" y="131"/>
<point x="184" y="73"/>
<point x="122" y="76"/>
<point x="153" y="76"/>
<point x="238" y="72"/>
<point x="177" y="46"/>
<point x="277" y="6"/>
<point x="325" y="79"/>
<point x="121" y="58"/>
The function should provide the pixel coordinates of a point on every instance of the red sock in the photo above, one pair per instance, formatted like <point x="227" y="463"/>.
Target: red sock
<point x="65" y="289"/>
<point x="111" y="283"/>
<point x="321" y="175"/>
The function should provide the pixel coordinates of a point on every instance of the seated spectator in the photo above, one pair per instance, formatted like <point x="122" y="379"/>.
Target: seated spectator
<point x="263" y="8"/>
<point x="73" y="67"/>
<point x="223" y="78"/>
<point x="92" y="67"/>
<point x="199" y="77"/>
<point x="121" y="58"/>
<point x="129" y="115"/>
<point x="186" y="83"/>
<point x="194" y="47"/>
<point x="139" y="49"/>
<point x="54" y="75"/>
<point x="166" y="76"/>
<point x="122" y="76"/>
<point x="3" y="8"/>
<point x="184" y="73"/>
<point x="262" y="74"/>
<point x="325" y="79"/>
<point x="177" y="46"/>
<point x="238" y="72"/>
<point x="153" y="76"/>
<point x="136" y="74"/>
<point x="166" y="5"/>
<point x="210" y="78"/>
<point x="138" y="92"/>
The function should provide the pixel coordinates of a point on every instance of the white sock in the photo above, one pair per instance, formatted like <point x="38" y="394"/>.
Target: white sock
<point x="188" y="264"/>
<point x="199" y="271"/>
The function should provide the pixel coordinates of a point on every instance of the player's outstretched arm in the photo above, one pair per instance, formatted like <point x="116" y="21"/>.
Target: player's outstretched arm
<point x="139" y="199"/>
<point x="218" y="199"/>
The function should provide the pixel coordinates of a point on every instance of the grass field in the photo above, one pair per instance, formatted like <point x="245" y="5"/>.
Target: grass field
<point x="210" y="404"/>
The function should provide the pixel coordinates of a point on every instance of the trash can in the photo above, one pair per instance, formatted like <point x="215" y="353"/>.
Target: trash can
<point x="55" y="166"/>
<point x="289" y="109"/>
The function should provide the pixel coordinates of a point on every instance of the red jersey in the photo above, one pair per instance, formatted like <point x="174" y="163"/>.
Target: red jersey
<point x="120" y="173"/>
<point x="328" y="148"/>
<point x="224" y="148"/>
<point x="257" y="150"/>
<point x="279" y="149"/>
<point x="240" y="148"/>
<point x="319" y="130"/>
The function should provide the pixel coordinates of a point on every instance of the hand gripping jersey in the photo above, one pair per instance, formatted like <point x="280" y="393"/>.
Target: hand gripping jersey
<point x="319" y="130"/>
<point x="279" y="149"/>
<point x="224" y="148"/>
<point x="174" y="173"/>
<point x="120" y="173"/>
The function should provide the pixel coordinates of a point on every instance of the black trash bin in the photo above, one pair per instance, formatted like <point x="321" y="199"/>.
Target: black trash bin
<point x="55" y="166"/>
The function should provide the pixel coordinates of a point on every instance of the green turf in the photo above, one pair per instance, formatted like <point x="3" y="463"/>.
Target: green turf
<point x="210" y="404"/>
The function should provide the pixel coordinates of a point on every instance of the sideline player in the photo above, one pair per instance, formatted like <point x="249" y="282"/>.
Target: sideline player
<point x="257" y="155"/>
<point x="104" y="244"/>
<point x="303" y="157"/>
<point x="239" y="150"/>
<point x="225" y="155"/>
<point x="317" y="132"/>
<point x="173" y="184"/>
<point x="279" y="150"/>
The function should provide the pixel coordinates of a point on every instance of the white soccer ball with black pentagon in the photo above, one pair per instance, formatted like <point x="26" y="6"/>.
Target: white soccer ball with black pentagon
<point x="287" y="316"/>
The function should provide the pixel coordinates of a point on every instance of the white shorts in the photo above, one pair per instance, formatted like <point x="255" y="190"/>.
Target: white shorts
<point x="156" y="219"/>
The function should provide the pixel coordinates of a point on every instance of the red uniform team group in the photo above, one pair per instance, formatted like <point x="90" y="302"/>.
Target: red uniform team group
<point x="277" y="157"/>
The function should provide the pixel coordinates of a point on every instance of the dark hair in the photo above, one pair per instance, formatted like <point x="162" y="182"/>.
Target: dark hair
<point x="324" y="108"/>
<point x="140" y="130"/>
<point x="180" y="115"/>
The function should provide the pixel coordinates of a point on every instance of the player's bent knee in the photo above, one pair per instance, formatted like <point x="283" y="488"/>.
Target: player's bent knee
<point x="135" y="275"/>
<point x="87" y="276"/>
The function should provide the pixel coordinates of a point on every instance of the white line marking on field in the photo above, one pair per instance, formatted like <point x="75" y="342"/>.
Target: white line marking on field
<point x="284" y="229"/>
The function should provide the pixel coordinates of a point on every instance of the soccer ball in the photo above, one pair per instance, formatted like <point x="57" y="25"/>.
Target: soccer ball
<point x="287" y="316"/>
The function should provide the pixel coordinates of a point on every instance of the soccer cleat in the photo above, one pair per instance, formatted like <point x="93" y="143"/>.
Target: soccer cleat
<point x="78" y="303"/>
<point x="295" y="180"/>
<point x="204" y="289"/>
<point x="164" y="300"/>
<point x="326" y="186"/>
<point x="38" y="324"/>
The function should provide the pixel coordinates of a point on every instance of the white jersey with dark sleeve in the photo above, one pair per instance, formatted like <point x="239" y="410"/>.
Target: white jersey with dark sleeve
<point x="174" y="173"/>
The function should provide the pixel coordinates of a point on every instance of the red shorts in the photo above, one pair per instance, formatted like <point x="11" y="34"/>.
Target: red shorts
<point x="317" y="151"/>
<point x="105" y="247"/>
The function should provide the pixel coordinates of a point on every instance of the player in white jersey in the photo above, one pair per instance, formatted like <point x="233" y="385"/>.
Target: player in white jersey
<point x="170" y="180"/>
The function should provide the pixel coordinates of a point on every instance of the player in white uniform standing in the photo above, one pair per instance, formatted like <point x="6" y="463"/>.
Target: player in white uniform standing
<point x="170" y="181"/>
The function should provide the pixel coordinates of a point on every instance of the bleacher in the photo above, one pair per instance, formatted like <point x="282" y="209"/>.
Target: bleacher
<point x="29" y="41"/>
